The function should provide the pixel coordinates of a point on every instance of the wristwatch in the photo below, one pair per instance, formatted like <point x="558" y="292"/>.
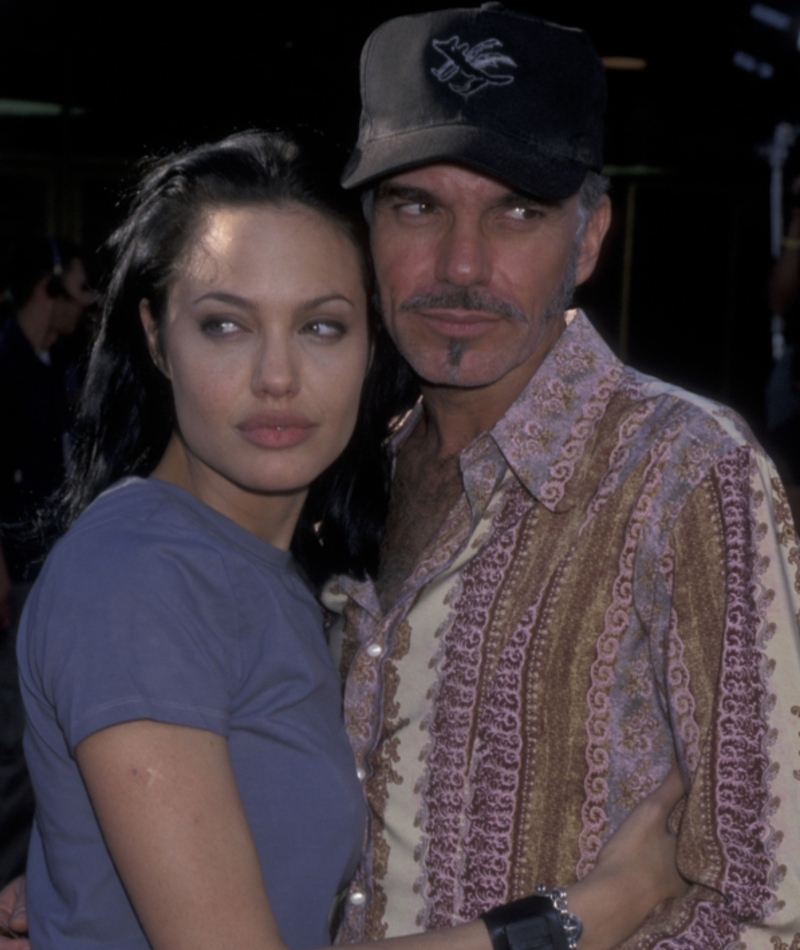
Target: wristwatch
<point x="541" y="921"/>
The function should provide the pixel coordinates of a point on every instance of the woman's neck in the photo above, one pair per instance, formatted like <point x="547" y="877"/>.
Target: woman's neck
<point x="272" y="517"/>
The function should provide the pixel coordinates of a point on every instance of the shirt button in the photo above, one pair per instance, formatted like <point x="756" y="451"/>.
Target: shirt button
<point x="374" y="650"/>
<point x="357" y="898"/>
<point x="361" y="774"/>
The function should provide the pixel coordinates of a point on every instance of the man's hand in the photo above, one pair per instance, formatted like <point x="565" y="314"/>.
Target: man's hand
<point x="14" y="916"/>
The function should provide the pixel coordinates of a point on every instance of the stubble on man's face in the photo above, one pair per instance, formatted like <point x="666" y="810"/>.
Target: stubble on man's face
<point x="467" y="299"/>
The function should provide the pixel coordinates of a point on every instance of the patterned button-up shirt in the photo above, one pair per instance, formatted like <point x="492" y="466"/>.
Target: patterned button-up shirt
<point x="618" y="586"/>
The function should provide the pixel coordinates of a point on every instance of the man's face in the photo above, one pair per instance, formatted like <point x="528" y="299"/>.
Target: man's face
<point x="70" y="307"/>
<point x="473" y="276"/>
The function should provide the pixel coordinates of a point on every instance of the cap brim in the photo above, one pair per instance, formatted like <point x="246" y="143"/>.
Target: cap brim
<point x="527" y="168"/>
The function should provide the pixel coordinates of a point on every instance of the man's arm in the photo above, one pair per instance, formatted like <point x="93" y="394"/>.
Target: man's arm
<point x="732" y="671"/>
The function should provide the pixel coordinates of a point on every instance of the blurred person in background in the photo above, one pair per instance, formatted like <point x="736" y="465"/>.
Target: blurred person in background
<point x="46" y="292"/>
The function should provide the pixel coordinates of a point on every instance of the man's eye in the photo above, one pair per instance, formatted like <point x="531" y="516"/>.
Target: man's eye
<point x="415" y="208"/>
<point x="524" y="212"/>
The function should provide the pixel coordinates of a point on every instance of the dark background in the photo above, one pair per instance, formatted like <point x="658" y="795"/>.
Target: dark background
<point x="681" y="289"/>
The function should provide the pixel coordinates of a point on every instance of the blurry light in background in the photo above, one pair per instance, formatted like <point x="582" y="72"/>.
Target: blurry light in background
<point x="769" y="16"/>
<point x="750" y="64"/>
<point x="766" y="53"/>
<point x="624" y="62"/>
<point x="30" y="108"/>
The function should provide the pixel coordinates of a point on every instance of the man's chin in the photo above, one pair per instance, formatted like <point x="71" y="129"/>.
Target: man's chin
<point x="460" y="370"/>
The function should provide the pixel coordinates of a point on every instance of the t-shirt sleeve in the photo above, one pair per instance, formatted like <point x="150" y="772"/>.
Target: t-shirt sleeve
<point x="121" y="628"/>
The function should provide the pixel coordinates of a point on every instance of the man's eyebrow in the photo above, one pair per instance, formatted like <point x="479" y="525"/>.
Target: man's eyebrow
<point x="512" y="198"/>
<point x="394" y="191"/>
<point x="233" y="300"/>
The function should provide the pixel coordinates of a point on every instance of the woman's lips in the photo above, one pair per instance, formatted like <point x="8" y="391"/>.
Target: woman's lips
<point x="276" y="430"/>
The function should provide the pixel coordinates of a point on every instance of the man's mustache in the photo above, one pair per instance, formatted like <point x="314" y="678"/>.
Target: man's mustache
<point x="465" y="298"/>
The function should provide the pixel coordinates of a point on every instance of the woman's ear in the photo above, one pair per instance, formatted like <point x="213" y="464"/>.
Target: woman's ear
<point x="152" y="336"/>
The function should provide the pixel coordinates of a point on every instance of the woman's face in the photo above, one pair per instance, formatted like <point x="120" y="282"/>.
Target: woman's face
<point x="266" y="344"/>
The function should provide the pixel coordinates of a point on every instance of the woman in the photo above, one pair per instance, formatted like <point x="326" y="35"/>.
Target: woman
<point x="171" y="637"/>
<point x="183" y="716"/>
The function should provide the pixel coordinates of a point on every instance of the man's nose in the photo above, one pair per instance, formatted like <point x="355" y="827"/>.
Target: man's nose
<point x="463" y="255"/>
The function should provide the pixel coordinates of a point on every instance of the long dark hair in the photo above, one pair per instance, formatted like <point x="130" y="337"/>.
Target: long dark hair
<point x="126" y="415"/>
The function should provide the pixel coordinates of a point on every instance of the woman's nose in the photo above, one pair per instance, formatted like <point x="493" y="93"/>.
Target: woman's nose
<point x="275" y="373"/>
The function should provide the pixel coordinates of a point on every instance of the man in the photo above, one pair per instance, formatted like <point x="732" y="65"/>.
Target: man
<point x="49" y="293"/>
<point x="587" y="573"/>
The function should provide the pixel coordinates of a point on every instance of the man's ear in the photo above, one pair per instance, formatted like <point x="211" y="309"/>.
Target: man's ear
<point x="152" y="336"/>
<point x="592" y="240"/>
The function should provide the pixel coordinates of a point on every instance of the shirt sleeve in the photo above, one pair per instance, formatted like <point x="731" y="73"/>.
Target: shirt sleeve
<point x="123" y="628"/>
<point x="734" y="707"/>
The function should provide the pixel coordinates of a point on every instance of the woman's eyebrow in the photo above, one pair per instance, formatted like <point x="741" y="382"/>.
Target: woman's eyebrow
<point x="233" y="300"/>
<point x="325" y="298"/>
<point x="243" y="303"/>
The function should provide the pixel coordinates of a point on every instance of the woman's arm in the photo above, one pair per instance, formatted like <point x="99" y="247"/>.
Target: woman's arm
<point x="636" y="870"/>
<point x="170" y="812"/>
<point x="169" y="855"/>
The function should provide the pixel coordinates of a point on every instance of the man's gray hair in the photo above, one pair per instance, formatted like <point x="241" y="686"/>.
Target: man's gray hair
<point x="594" y="188"/>
<point x="368" y="202"/>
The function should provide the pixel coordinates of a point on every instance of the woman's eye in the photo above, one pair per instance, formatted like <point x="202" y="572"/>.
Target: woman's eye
<point x="325" y="329"/>
<point x="219" y="326"/>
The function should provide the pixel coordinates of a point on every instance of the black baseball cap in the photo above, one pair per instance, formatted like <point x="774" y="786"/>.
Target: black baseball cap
<point x="503" y="92"/>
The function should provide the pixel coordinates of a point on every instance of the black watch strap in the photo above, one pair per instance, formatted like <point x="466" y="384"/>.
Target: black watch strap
<point x="531" y="923"/>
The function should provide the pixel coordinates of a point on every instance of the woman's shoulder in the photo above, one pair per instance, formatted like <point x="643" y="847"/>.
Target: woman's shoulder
<point x="132" y="513"/>
<point x="137" y="527"/>
<point x="147" y="530"/>
<point x="135" y="557"/>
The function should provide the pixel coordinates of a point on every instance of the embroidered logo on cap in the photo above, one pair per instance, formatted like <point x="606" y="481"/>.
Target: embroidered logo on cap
<point x="467" y="70"/>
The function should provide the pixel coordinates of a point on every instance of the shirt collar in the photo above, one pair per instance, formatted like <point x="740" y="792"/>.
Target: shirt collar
<point x="544" y="434"/>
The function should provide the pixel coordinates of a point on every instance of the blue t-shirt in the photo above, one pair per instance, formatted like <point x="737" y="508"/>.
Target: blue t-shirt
<point x="154" y="606"/>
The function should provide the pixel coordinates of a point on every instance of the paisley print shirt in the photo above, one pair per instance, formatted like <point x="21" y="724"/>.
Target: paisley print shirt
<point x="618" y="586"/>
